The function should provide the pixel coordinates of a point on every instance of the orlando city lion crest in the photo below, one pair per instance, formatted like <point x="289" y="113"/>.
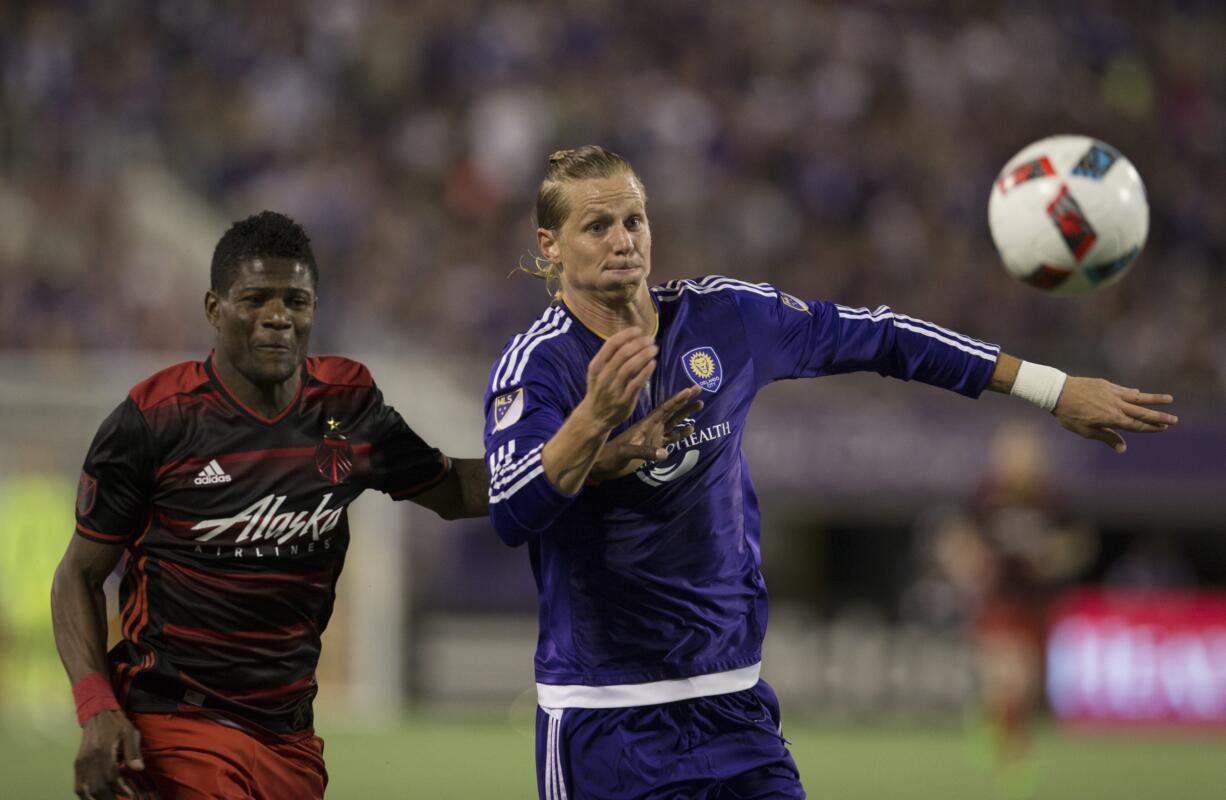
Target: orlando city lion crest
<point x="702" y="366"/>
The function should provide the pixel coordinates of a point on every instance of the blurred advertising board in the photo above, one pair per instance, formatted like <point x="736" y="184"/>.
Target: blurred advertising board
<point x="1139" y="657"/>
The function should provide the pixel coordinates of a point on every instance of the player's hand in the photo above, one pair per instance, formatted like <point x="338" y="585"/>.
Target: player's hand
<point x="647" y="439"/>
<point x="616" y="375"/>
<point x="108" y="740"/>
<point x="1098" y="409"/>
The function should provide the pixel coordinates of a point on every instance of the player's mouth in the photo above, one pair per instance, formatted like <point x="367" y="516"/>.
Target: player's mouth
<point x="273" y="348"/>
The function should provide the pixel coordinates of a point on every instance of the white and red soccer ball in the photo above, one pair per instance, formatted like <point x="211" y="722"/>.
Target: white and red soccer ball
<point x="1068" y="214"/>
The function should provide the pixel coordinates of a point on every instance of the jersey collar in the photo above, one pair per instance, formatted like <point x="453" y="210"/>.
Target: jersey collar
<point x="230" y="396"/>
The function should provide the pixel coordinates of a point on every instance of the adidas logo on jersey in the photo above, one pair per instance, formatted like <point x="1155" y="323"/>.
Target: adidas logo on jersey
<point x="212" y="473"/>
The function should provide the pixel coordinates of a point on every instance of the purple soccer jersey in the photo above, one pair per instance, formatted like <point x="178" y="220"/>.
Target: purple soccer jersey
<point x="650" y="585"/>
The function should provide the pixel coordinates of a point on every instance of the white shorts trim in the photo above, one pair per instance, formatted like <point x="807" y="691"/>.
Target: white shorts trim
<point x="553" y="696"/>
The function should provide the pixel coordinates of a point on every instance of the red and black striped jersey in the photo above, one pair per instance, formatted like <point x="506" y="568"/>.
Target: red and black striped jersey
<point x="235" y="531"/>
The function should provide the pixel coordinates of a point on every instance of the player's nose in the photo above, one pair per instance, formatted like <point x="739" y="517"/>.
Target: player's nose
<point x="622" y="241"/>
<point x="275" y="315"/>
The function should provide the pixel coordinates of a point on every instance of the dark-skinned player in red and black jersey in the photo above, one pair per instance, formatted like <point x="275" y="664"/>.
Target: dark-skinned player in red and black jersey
<point x="225" y="482"/>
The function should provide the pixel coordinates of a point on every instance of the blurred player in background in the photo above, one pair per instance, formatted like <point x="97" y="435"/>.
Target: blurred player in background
<point x="653" y="607"/>
<point x="225" y="482"/>
<point x="1008" y="556"/>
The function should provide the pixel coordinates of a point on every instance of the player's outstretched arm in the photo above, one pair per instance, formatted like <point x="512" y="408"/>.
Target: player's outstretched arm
<point x="615" y="376"/>
<point x="465" y="492"/>
<point x="647" y="439"/>
<point x="78" y="618"/>
<point x="1090" y="407"/>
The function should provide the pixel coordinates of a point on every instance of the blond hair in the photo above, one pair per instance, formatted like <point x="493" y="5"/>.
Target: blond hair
<point x="577" y="164"/>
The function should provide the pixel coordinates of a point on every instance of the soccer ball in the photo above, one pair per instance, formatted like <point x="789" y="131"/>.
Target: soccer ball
<point x="1068" y="214"/>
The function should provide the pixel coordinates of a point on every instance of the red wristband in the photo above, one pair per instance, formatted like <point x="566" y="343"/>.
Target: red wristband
<point x="93" y="694"/>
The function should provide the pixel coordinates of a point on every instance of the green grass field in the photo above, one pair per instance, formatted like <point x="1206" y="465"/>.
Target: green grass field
<point x="440" y="757"/>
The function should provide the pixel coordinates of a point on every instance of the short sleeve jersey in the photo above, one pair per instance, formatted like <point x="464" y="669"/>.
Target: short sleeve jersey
<point x="235" y="532"/>
<point x="656" y="576"/>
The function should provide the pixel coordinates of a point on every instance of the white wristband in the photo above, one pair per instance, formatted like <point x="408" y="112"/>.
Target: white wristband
<point x="1039" y="384"/>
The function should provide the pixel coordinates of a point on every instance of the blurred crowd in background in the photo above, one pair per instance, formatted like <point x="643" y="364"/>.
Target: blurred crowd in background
<point x="840" y="150"/>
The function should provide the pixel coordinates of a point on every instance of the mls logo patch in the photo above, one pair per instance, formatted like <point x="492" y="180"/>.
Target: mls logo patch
<point x="508" y="408"/>
<point x="791" y="301"/>
<point x="702" y="365"/>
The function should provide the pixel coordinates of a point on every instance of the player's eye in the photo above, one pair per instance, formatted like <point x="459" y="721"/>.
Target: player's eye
<point x="634" y="222"/>
<point x="596" y="227"/>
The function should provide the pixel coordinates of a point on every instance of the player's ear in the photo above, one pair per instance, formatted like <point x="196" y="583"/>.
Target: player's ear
<point x="212" y="308"/>
<point x="548" y="244"/>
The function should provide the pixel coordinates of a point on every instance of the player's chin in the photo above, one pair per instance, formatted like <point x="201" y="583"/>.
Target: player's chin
<point x="275" y="366"/>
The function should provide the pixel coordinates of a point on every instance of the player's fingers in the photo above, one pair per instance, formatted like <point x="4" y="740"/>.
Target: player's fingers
<point x="1147" y="398"/>
<point x="634" y="365"/>
<point x="621" y="337"/>
<point x="110" y="783"/>
<point x="621" y="348"/>
<point x="679" y="400"/>
<point x="611" y="346"/>
<point x="670" y="413"/>
<point x="1106" y="436"/>
<point x="80" y="783"/>
<point x="94" y="771"/>
<point x="1137" y="426"/>
<point x="677" y="404"/>
<point x="640" y="452"/>
<point x="628" y="360"/>
<point x="131" y="749"/>
<point x="96" y="791"/>
<point x="678" y="434"/>
<point x="677" y="418"/>
<point x="636" y="381"/>
<point x="121" y="788"/>
<point x="1149" y="415"/>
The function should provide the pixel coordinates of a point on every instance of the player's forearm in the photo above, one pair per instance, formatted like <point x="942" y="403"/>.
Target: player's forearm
<point x="568" y="457"/>
<point x="474" y="486"/>
<point x="1005" y="373"/>
<point x="78" y="620"/>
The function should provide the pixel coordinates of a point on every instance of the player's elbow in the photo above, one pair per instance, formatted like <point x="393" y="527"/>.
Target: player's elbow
<point x="509" y="530"/>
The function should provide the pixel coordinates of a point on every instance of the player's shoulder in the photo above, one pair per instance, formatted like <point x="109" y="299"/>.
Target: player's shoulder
<point x="710" y="289"/>
<point x="167" y="385"/>
<point x="542" y="347"/>
<point x="339" y="371"/>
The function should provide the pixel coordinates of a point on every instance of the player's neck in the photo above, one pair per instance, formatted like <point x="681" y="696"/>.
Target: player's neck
<point x="605" y="318"/>
<point x="266" y="400"/>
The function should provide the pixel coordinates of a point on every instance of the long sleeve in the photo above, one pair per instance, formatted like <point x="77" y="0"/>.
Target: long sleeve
<point x="792" y="338"/>
<point x="524" y="408"/>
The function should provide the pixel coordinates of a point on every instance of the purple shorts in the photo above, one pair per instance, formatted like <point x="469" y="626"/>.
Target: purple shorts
<point x="723" y="747"/>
